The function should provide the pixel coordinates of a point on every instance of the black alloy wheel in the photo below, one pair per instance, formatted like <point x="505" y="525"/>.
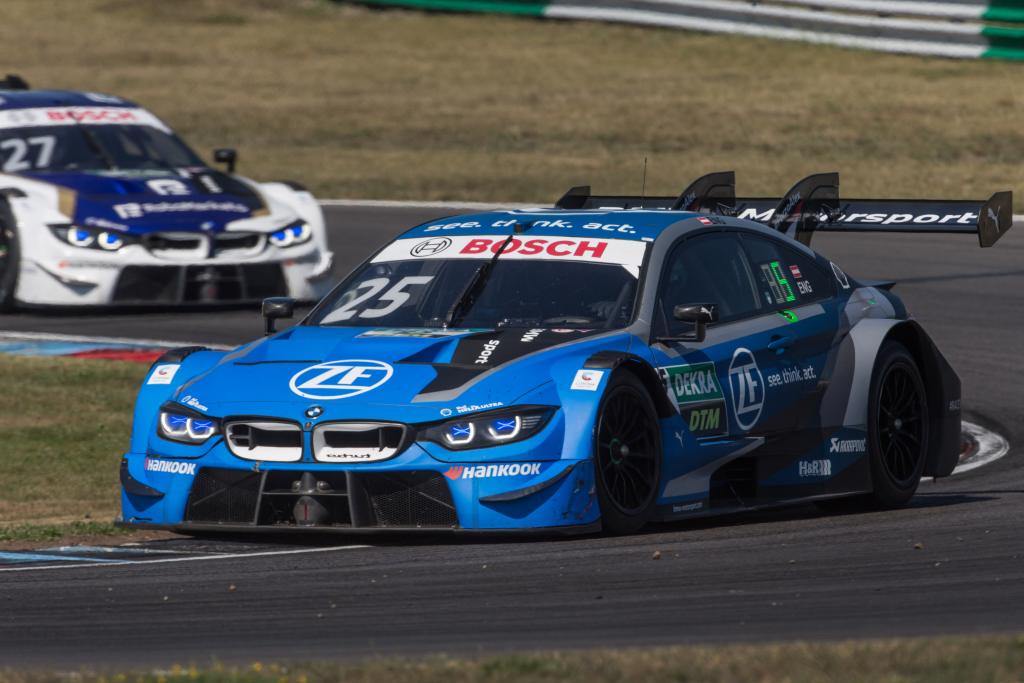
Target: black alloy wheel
<point x="897" y="433"/>
<point x="627" y="454"/>
<point x="900" y="423"/>
<point x="897" y="426"/>
<point x="8" y="258"/>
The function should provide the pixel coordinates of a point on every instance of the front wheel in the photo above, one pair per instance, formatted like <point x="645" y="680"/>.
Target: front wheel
<point x="9" y="258"/>
<point x="627" y="454"/>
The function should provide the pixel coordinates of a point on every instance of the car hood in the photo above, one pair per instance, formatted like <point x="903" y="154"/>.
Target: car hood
<point x="190" y="200"/>
<point x="356" y="373"/>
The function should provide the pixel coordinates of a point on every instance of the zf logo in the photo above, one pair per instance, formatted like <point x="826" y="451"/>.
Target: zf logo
<point x="431" y="247"/>
<point x="747" y="387"/>
<point x="340" y="379"/>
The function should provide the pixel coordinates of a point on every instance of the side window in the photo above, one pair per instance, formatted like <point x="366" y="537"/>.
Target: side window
<point x="785" y="277"/>
<point x="707" y="269"/>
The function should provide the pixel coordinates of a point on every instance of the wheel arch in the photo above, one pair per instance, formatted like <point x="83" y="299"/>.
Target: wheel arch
<point x="648" y="376"/>
<point x="942" y="389"/>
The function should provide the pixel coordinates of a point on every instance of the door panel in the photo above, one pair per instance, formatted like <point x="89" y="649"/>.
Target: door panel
<point x="749" y="394"/>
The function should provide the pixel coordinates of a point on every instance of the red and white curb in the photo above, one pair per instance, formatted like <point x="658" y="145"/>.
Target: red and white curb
<point x="983" y="447"/>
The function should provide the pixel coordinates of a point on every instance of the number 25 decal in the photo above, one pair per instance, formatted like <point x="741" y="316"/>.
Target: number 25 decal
<point x="396" y="297"/>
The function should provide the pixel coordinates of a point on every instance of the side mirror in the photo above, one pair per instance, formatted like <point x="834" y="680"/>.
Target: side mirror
<point x="226" y="156"/>
<point x="273" y="309"/>
<point x="698" y="314"/>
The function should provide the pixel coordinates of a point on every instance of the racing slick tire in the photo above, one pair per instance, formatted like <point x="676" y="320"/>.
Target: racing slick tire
<point x="9" y="258"/>
<point x="897" y="433"/>
<point x="627" y="454"/>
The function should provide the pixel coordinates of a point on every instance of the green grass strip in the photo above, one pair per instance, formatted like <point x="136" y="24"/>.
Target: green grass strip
<point x="54" y="532"/>
<point x="497" y="6"/>
<point x="945" y="660"/>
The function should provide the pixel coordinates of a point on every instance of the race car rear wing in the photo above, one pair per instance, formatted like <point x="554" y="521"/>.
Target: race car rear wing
<point x="714" y="192"/>
<point x="813" y="205"/>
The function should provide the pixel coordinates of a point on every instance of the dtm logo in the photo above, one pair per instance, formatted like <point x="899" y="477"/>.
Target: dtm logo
<point x="340" y="379"/>
<point x="431" y="247"/>
<point x="747" y="387"/>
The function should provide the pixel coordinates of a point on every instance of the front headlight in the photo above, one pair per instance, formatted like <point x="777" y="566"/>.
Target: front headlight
<point x="297" y="233"/>
<point x="493" y="428"/>
<point x="179" y="426"/>
<point x="90" y="238"/>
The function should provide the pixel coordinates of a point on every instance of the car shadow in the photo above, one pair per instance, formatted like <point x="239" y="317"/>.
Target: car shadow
<point x="741" y="518"/>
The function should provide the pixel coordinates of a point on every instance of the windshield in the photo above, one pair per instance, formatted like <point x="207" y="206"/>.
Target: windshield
<point x="528" y="287"/>
<point x="85" y="147"/>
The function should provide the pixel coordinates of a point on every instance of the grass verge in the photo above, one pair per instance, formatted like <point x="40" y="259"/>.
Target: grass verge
<point x="401" y="104"/>
<point x="951" y="660"/>
<point x="64" y="423"/>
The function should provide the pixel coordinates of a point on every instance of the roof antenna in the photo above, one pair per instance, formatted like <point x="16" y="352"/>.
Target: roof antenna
<point x="643" y="185"/>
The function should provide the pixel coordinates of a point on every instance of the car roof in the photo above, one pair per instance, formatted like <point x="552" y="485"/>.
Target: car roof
<point x="629" y="224"/>
<point x="29" y="99"/>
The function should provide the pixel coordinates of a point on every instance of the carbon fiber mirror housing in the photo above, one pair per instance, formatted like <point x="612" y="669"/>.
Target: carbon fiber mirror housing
<point x="226" y="156"/>
<point x="275" y="308"/>
<point x="698" y="314"/>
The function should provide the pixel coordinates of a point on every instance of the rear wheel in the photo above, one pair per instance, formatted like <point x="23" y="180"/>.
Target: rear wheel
<point x="9" y="258"/>
<point x="627" y="455"/>
<point x="897" y="432"/>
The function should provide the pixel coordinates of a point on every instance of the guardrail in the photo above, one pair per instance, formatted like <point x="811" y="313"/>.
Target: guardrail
<point x="972" y="29"/>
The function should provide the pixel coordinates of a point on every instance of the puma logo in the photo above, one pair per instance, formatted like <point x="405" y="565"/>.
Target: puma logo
<point x="994" y="217"/>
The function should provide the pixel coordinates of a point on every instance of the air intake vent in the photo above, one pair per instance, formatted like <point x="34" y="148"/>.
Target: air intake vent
<point x="265" y="440"/>
<point x="358" y="441"/>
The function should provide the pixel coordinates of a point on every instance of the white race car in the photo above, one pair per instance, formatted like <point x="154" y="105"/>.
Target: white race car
<point x="102" y="204"/>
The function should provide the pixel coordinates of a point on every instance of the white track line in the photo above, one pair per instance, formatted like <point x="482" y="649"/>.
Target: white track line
<point x="72" y="564"/>
<point x="48" y="336"/>
<point x="991" y="447"/>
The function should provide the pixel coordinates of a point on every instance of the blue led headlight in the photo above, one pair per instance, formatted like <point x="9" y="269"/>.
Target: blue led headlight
<point x="91" y="238"/>
<point x="505" y="428"/>
<point x="80" y="237"/>
<point x="186" y="428"/>
<point x="110" y="241"/>
<point x="459" y="433"/>
<point x="492" y="428"/>
<point x="298" y="233"/>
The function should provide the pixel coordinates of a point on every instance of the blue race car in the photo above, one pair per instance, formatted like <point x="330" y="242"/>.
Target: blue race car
<point x="599" y="364"/>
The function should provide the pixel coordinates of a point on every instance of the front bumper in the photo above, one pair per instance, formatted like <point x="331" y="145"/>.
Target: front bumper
<point x="415" y="492"/>
<point x="68" y="278"/>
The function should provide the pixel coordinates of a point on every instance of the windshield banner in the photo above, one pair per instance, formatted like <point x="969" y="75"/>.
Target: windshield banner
<point x="626" y="253"/>
<point x="70" y="116"/>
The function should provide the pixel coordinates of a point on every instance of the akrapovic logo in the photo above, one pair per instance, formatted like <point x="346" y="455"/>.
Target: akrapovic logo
<point x="847" y="445"/>
<point x="170" y="466"/>
<point x="516" y="469"/>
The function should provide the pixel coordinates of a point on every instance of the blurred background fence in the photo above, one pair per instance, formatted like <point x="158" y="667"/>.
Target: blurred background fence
<point x="967" y="29"/>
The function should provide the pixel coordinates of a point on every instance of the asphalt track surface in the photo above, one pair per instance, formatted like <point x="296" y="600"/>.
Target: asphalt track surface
<point x="951" y="563"/>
